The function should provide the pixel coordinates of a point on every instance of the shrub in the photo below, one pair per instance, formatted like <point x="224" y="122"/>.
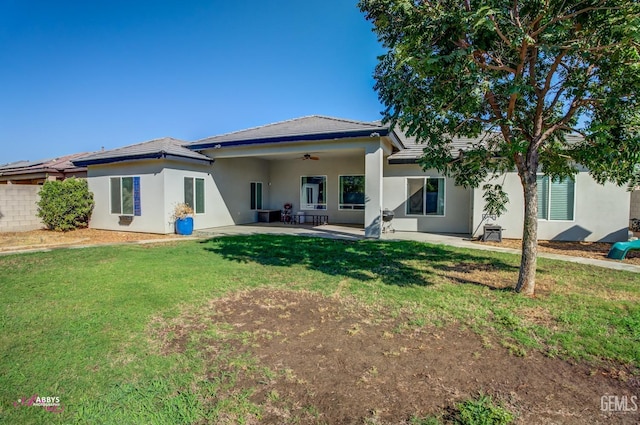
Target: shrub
<point x="65" y="205"/>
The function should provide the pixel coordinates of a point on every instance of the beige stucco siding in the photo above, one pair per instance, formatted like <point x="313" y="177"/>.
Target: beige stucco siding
<point x="173" y="176"/>
<point x="286" y="177"/>
<point x="601" y="212"/>
<point x="457" y="200"/>
<point x="152" y="196"/>
<point x="227" y="192"/>
<point x="231" y="195"/>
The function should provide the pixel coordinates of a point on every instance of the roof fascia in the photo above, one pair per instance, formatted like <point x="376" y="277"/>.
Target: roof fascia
<point x="396" y="161"/>
<point x="153" y="155"/>
<point x="292" y="138"/>
<point x="396" y="140"/>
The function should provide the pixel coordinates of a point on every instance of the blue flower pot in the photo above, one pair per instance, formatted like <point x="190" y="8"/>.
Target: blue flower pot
<point x="184" y="226"/>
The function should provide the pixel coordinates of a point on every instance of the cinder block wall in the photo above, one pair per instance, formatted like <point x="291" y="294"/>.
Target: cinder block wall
<point x="635" y="204"/>
<point x="18" y="208"/>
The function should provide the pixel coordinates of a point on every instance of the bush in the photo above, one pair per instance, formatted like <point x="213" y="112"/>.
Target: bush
<point x="65" y="205"/>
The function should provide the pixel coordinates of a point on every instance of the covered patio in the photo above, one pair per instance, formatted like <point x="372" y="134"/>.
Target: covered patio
<point x="327" y="169"/>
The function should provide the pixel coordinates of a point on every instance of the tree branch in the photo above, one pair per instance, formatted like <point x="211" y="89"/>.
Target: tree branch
<point x="519" y="70"/>
<point x="499" y="31"/>
<point x="570" y="16"/>
<point x="479" y="59"/>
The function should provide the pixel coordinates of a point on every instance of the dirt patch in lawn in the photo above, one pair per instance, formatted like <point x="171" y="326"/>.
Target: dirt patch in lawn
<point x="333" y="360"/>
<point x="597" y="250"/>
<point x="48" y="238"/>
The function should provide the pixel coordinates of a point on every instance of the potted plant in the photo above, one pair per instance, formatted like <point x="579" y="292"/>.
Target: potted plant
<point x="183" y="216"/>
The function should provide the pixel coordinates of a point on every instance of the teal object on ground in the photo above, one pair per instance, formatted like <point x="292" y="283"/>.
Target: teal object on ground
<point x="184" y="226"/>
<point x="619" y="250"/>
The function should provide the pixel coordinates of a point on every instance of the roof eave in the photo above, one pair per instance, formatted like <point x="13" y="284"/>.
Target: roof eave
<point x="153" y="155"/>
<point x="292" y="138"/>
<point x="396" y="161"/>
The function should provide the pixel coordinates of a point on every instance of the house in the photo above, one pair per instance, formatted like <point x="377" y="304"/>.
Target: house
<point x="37" y="172"/>
<point x="329" y="168"/>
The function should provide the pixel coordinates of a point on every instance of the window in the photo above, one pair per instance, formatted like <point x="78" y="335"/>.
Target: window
<point x="194" y="194"/>
<point x="425" y="196"/>
<point x="555" y="198"/>
<point x="125" y="195"/>
<point x="256" y="195"/>
<point x="351" y="193"/>
<point x="313" y="193"/>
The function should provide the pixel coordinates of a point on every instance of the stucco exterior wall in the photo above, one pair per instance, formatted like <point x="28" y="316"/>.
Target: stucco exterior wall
<point x="457" y="200"/>
<point x="231" y="195"/>
<point x="634" y="211"/>
<point x="601" y="212"/>
<point x="286" y="178"/>
<point x="18" y="208"/>
<point x="152" y="197"/>
<point x="173" y="176"/>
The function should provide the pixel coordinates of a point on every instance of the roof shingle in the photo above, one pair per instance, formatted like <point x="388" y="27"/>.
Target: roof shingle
<point x="158" y="148"/>
<point x="311" y="127"/>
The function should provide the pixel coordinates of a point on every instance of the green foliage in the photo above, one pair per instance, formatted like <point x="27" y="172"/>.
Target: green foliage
<point x="496" y="199"/>
<point x="526" y="73"/>
<point x="527" y="76"/>
<point x="65" y="205"/>
<point x="482" y="411"/>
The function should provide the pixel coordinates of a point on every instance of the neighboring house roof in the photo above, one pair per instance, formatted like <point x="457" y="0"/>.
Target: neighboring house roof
<point x="60" y="165"/>
<point x="165" y="147"/>
<point x="315" y="127"/>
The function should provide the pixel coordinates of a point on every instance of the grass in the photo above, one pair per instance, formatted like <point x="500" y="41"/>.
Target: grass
<point x="75" y="323"/>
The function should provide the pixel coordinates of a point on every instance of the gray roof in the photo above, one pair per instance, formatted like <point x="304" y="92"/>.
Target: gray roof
<point x="165" y="147"/>
<point x="315" y="127"/>
<point x="414" y="150"/>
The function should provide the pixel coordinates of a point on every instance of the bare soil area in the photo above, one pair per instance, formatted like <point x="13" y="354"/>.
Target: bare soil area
<point x="597" y="250"/>
<point x="335" y="361"/>
<point x="48" y="238"/>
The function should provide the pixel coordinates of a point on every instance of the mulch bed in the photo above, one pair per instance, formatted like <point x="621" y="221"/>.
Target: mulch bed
<point x="596" y="250"/>
<point x="48" y="238"/>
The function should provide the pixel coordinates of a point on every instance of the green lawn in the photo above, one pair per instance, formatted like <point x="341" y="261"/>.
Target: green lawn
<point x="75" y="322"/>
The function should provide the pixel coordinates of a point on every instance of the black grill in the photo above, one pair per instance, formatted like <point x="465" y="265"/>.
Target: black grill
<point x="387" y="215"/>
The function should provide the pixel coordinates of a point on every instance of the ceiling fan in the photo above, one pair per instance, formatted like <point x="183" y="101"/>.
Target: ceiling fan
<point x="308" y="156"/>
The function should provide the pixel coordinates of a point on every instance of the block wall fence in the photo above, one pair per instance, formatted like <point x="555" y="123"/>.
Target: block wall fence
<point x="18" y="208"/>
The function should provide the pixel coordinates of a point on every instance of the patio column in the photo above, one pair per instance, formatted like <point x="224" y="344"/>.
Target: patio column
<point x="373" y="191"/>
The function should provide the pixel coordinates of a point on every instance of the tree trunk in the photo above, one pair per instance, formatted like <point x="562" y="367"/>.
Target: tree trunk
<point x="527" y="277"/>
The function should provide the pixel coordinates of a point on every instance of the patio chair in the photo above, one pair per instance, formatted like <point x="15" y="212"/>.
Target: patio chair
<point x="286" y="215"/>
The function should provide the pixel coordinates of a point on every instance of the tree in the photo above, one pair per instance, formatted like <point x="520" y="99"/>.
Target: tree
<point x="521" y="75"/>
<point x="65" y="205"/>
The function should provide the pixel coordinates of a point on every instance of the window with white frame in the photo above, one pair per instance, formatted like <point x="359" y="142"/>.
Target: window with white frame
<point x="313" y="192"/>
<point x="425" y="196"/>
<point x="194" y="194"/>
<point x="351" y="193"/>
<point x="556" y="198"/>
<point x="256" y="195"/>
<point x="125" y="195"/>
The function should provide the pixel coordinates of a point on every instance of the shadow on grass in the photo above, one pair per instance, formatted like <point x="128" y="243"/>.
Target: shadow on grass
<point x="394" y="263"/>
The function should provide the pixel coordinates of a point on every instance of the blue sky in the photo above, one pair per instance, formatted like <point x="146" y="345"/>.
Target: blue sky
<point x="79" y="75"/>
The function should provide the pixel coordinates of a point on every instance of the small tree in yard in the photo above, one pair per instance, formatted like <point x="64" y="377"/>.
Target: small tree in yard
<point x="65" y="205"/>
<point x="524" y="74"/>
